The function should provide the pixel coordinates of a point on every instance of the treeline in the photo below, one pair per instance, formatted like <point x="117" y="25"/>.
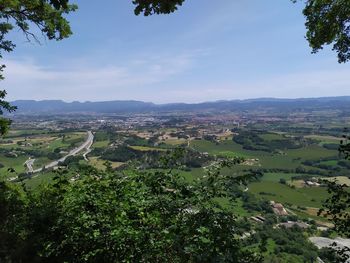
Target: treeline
<point x="15" y="152"/>
<point x="298" y="170"/>
<point x="151" y="159"/>
<point x="340" y="165"/>
<point x="250" y="140"/>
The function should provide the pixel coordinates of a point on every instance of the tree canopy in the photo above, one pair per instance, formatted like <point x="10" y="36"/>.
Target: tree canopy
<point x="47" y="16"/>
<point x="328" y="23"/>
<point x="150" y="7"/>
<point x="127" y="216"/>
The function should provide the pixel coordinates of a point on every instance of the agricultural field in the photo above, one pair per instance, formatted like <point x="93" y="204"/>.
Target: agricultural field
<point x="20" y="145"/>
<point x="304" y="197"/>
<point x="288" y="166"/>
<point x="282" y="158"/>
<point x="101" y="164"/>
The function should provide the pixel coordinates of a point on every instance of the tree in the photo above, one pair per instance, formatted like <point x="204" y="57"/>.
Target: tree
<point x="13" y="204"/>
<point x="46" y="15"/>
<point x="328" y="22"/>
<point x="4" y="105"/>
<point x="283" y="181"/>
<point x="337" y="206"/>
<point x="124" y="217"/>
<point x="150" y="7"/>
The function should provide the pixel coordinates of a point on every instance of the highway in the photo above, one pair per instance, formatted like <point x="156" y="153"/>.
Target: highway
<point x="86" y="145"/>
<point x="29" y="163"/>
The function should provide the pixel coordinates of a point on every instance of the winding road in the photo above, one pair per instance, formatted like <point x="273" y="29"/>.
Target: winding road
<point x="86" y="145"/>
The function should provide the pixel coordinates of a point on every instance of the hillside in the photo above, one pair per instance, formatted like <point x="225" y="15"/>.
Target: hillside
<point x="119" y="106"/>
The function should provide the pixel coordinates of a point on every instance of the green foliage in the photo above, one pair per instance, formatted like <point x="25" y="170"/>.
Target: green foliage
<point x="286" y="244"/>
<point x="254" y="141"/>
<point x="337" y="207"/>
<point x="4" y="105"/>
<point x="13" y="215"/>
<point x="120" y="154"/>
<point x="46" y="15"/>
<point x="150" y="7"/>
<point x="283" y="181"/>
<point x="334" y="255"/>
<point x="328" y="22"/>
<point x="133" y="217"/>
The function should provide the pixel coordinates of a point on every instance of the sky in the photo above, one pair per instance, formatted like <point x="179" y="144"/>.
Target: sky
<point x="206" y="51"/>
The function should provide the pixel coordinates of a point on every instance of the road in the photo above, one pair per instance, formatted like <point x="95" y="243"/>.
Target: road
<point x="322" y="242"/>
<point x="86" y="145"/>
<point x="29" y="163"/>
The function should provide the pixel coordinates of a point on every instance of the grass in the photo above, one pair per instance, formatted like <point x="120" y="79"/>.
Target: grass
<point x="311" y="152"/>
<point x="275" y="177"/>
<point x="44" y="142"/>
<point x="229" y="154"/>
<point x="100" y="144"/>
<point x="58" y="143"/>
<point x="330" y="162"/>
<point x="278" y="161"/>
<point x="41" y="162"/>
<point x="238" y="208"/>
<point x="147" y="149"/>
<point x="13" y="133"/>
<point x="42" y="178"/>
<point x="324" y="138"/>
<point x="271" y="136"/>
<point x="175" y="142"/>
<point x="226" y="148"/>
<point x="305" y="197"/>
<point x="193" y="174"/>
<point x="15" y="163"/>
<point x="339" y="179"/>
<point x="100" y="164"/>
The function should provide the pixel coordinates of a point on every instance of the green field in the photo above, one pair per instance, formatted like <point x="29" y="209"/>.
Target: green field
<point x="278" y="163"/>
<point x="226" y="148"/>
<point x="26" y="143"/>
<point x="311" y="152"/>
<point x="271" y="136"/>
<point x="275" y="177"/>
<point x="304" y="197"/>
<point x="147" y="149"/>
<point x="101" y="144"/>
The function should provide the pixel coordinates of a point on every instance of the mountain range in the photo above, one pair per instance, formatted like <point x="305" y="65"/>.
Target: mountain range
<point x="129" y="106"/>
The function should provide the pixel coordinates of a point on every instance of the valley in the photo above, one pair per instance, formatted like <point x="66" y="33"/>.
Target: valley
<point x="286" y="157"/>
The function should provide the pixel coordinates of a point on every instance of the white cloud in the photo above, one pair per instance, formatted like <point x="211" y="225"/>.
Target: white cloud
<point x="26" y="79"/>
<point x="160" y="79"/>
<point x="295" y="85"/>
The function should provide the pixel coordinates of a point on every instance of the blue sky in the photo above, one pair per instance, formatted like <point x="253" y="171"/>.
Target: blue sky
<point x="208" y="50"/>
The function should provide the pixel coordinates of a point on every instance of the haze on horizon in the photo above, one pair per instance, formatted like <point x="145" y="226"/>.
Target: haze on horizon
<point x="203" y="52"/>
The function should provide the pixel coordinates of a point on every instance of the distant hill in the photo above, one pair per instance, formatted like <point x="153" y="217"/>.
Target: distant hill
<point x="61" y="107"/>
<point x="58" y="106"/>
